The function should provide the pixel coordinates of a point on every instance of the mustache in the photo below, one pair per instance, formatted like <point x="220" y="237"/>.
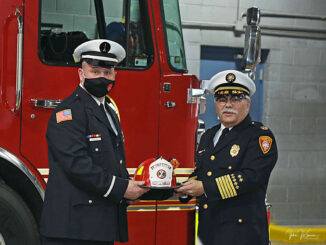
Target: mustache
<point x="228" y="110"/>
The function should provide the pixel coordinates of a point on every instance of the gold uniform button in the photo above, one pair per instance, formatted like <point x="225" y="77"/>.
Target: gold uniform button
<point x="121" y="161"/>
<point x="209" y="173"/>
<point x="205" y="206"/>
<point x="237" y="187"/>
<point x="96" y="149"/>
<point x="230" y="167"/>
<point x="239" y="176"/>
<point x="240" y="180"/>
<point x="240" y="220"/>
<point x="90" y="201"/>
<point x="212" y="158"/>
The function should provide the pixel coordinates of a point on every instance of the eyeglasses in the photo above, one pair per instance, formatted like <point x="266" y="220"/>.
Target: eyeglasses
<point x="234" y="100"/>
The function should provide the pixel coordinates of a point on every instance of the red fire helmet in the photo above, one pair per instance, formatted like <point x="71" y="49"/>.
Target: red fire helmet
<point x="157" y="173"/>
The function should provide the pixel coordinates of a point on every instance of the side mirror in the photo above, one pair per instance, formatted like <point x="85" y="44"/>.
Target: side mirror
<point x="252" y="53"/>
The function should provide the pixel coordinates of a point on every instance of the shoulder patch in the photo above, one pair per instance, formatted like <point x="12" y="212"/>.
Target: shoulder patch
<point x="265" y="143"/>
<point x="64" y="115"/>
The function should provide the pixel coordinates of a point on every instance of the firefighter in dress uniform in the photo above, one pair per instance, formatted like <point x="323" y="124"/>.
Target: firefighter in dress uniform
<point x="234" y="161"/>
<point x="88" y="187"/>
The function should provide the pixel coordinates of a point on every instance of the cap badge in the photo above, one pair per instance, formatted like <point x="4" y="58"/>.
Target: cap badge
<point x="265" y="143"/>
<point x="230" y="77"/>
<point x="234" y="150"/>
<point x="105" y="47"/>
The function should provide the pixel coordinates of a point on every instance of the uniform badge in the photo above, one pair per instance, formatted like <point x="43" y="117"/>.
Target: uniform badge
<point x="94" y="137"/>
<point x="234" y="150"/>
<point x="230" y="77"/>
<point x="64" y="115"/>
<point x="265" y="143"/>
<point x="105" y="47"/>
<point x="264" y="128"/>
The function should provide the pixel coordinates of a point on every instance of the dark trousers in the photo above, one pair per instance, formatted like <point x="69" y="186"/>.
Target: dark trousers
<point x="65" y="241"/>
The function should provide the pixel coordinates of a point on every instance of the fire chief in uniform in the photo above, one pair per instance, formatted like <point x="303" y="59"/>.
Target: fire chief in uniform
<point x="234" y="161"/>
<point x="88" y="186"/>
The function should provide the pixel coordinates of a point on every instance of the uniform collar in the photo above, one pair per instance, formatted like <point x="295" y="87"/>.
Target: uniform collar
<point x="232" y="135"/>
<point x="245" y="122"/>
<point x="98" y="102"/>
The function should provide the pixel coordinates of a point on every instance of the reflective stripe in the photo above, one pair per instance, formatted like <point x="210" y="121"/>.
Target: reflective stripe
<point x="43" y="171"/>
<point x="183" y="170"/>
<point x="177" y="171"/>
<point x="111" y="187"/>
<point x="168" y="207"/>
<point x="131" y="170"/>
<point x="181" y="179"/>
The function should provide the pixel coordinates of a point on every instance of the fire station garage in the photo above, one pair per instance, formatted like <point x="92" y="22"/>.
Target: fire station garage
<point x="290" y="99"/>
<point x="164" y="53"/>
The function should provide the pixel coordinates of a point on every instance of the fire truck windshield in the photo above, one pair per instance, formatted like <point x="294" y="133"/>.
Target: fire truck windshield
<point x="64" y="25"/>
<point x="174" y="38"/>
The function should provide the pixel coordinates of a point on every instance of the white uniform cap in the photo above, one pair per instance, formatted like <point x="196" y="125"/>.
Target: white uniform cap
<point x="231" y="80"/>
<point x="101" y="51"/>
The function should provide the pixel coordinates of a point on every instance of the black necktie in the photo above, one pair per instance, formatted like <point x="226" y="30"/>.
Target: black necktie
<point x="114" y="127"/>
<point x="102" y="109"/>
<point x="225" y="131"/>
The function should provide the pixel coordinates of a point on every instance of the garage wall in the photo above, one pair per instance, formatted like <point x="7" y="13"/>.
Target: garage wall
<point x="294" y="96"/>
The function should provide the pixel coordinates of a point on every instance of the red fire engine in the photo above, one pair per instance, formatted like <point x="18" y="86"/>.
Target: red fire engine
<point x="158" y="102"/>
<point x="153" y="93"/>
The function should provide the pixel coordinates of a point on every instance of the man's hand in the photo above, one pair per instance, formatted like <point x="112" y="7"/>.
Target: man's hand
<point x="193" y="188"/>
<point x="134" y="191"/>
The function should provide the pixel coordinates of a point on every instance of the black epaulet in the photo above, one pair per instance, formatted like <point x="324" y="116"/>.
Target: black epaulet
<point x="259" y="125"/>
<point x="68" y="101"/>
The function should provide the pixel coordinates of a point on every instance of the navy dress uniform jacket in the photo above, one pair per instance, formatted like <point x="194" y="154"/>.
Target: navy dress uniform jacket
<point x="86" y="159"/>
<point x="235" y="175"/>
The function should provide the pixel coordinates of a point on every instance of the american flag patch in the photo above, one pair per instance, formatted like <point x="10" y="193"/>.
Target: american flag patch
<point x="64" y="115"/>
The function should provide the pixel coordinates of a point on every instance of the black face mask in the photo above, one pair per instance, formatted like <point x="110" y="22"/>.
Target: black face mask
<point x="98" y="87"/>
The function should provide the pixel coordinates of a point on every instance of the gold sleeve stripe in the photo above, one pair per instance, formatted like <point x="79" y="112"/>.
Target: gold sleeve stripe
<point x="223" y="188"/>
<point x="231" y="185"/>
<point x="220" y="188"/>
<point x="227" y="183"/>
<point x="193" y="178"/>
<point x="231" y="88"/>
<point x="226" y="193"/>
<point x="226" y="187"/>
